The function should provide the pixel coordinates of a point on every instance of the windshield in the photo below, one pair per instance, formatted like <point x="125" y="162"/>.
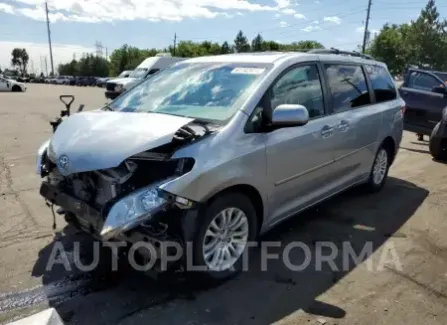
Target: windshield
<point x="124" y="74"/>
<point x="138" y="73"/>
<point x="442" y="75"/>
<point x="212" y="91"/>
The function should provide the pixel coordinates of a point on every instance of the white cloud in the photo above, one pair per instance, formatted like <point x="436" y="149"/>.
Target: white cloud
<point x="315" y="22"/>
<point x="154" y="10"/>
<point x="283" y="24"/>
<point x="333" y="19"/>
<point x="311" y="28"/>
<point x="6" y="8"/>
<point x="317" y="1"/>
<point x="361" y="29"/>
<point x="288" y="11"/>
<point x="36" y="51"/>
<point x="276" y="16"/>
<point x="282" y="3"/>
<point x="299" y="16"/>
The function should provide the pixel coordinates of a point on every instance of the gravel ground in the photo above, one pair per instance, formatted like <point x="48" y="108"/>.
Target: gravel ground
<point x="404" y="221"/>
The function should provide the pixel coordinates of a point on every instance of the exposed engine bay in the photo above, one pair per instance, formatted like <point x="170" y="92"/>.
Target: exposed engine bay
<point x="100" y="188"/>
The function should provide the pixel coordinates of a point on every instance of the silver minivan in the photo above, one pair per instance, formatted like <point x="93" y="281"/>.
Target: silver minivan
<point x="214" y="151"/>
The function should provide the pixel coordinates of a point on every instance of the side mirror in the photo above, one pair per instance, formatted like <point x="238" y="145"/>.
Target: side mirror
<point x="287" y="115"/>
<point x="440" y="90"/>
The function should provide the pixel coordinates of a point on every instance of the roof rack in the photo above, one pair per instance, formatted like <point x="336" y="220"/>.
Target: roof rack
<point x="339" y="52"/>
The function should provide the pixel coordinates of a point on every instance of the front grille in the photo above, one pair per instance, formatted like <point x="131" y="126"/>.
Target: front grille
<point x="111" y="86"/>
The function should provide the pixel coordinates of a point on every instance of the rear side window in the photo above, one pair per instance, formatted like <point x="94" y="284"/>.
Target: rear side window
<point x="422" y="81"/>
<point x="348" y="87"/>
<point x="382" y="83"/>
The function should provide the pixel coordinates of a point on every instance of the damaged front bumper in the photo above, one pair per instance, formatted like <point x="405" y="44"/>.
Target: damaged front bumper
<point x="170" y="222"/>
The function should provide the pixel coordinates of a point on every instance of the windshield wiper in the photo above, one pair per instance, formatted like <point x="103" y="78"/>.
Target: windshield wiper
<point x="107" y="108"/>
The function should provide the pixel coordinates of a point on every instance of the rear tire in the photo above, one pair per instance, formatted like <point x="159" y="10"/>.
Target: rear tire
<point x="228" y="239"/>
<point x="437" y="150"/>
<point x="379" y="170"/>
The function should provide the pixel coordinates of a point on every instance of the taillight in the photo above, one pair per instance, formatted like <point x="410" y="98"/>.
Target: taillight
<point x="403" y="108"/>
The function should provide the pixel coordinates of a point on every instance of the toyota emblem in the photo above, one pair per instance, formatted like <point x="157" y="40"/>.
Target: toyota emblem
<point x="63" y="162"/>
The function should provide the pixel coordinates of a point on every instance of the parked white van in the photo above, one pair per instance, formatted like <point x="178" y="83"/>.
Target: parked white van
<point x="148" y="67"/>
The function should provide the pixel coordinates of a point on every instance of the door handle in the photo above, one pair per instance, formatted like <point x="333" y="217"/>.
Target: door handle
<point x="343" y="126"/>
<point x="327" y="131"/>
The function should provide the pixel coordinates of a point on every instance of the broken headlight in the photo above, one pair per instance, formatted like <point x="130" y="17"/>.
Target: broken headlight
<point x="40" y="153"/>
<point x="131" y="210"/>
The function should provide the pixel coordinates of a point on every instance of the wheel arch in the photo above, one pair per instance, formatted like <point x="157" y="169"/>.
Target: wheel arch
<point x="390" y="145"/>
<point x="16" y="88"/>
<point x="252" y="194"/>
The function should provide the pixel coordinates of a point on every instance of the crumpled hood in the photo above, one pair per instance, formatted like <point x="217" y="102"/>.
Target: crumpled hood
<point x="122" y="81"/>
<point x="96" y="140"/>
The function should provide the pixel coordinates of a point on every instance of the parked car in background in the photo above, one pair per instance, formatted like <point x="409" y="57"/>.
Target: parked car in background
<point x="23" y="79"/>
<point x="216" y="150"/>
<point x="423" y="92"/>
<point x="11" y="85"/>
<point x="425" y="95"/>
<point x="50" y="80"/>
<point x="148" y="67"/>
<point x="62" y="80"/>
<point x="86" y="81"/>
<point x="101" y="82"/>
<point x="125" y="74"/>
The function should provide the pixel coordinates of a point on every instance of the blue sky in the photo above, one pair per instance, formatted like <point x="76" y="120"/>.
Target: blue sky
<point x="77" y="24"/>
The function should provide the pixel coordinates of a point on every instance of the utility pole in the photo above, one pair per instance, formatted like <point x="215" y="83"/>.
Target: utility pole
<point x="366" y="32"/>
<point x="175" y="42"/>
<point x="107" y="54"/>
<point x="32" y="66"/>
<point x="41" y="64"/>
<point x="49" y="40"/>
<point x="46" y="67"/>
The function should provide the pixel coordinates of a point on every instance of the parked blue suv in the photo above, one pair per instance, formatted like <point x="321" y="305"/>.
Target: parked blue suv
<point x="425" y="95"/>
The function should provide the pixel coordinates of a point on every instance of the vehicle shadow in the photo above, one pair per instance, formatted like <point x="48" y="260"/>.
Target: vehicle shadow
<point x="416" y="150"/>
<point x="265" y="293"/>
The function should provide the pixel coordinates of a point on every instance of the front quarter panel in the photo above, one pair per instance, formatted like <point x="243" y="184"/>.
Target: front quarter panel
<point x="227" y="158"/>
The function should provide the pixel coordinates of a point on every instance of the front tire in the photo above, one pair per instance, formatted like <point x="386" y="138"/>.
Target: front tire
<point x="437" y="151"/>
<point x="379" y="170"/>
<point x="226" y="227"/>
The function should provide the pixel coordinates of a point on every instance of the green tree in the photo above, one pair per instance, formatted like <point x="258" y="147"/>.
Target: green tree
<point x="241" y="43"/>
<point x="428" y="38"/>
<point x="20" y="59"/>
<point x="301" y="45"/>
<point x="126" y="58"/>
<point x="391" y="46"/>
<point x="257" y="45"/>
<point x="225" y="48"/>
<point x="271" y="46"/>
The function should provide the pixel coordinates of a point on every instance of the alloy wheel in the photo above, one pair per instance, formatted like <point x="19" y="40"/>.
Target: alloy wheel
<point x="225" y="239"/>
